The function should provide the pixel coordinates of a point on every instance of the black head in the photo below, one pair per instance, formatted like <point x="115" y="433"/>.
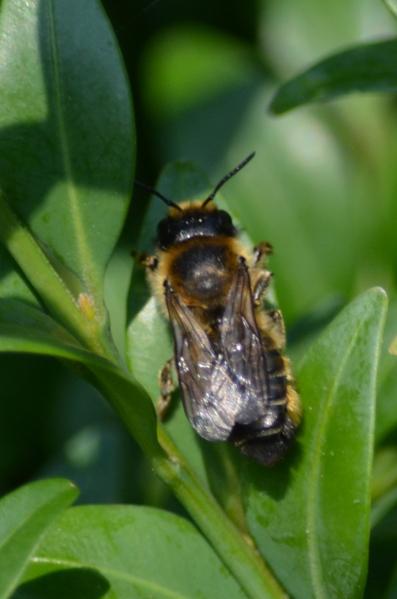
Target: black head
<point x="192" y="223"/>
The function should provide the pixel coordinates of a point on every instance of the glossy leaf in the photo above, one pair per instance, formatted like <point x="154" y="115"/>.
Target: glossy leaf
<point x="392" y="6"/>
<point x="149" y="340"/>
<point x="366" y="68"/>
<point x="28" y="330"/>
<point x="12" y="282"/>
<point x="386" y="412"/>
<point x="149" y="343"/>
<point x="25" y="515"/>
<point x="65" y="130"/>
<point x="135" y="552"/>
<point x="310" y="517"/>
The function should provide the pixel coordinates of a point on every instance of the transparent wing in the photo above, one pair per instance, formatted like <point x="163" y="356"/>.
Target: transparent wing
<point x="226" y="383"/>
<point x="210" y="395"/>
<point x="242" y="348"/>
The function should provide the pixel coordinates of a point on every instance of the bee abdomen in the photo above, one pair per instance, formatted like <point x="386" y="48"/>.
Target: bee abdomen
<point x="265" y="448"/>
<point x="274" y="362"/>
<point x="277" y="389"/>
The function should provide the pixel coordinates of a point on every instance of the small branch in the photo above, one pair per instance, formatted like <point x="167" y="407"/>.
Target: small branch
<point x="51" y="287"/>
<point x="237" y="553"/>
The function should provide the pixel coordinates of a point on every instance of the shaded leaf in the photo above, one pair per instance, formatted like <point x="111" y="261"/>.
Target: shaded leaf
<point x="25" y="515"/>
<point x="12" y="283"/>
<point x="149" y="339"/>
<point x="139" y="552"/>
<point x="310" y="519"/>
<point x="65" y="129"/>
<point x="149" y="343"/>
<point x="366" y="68"/>
<point x="24" y="329"/>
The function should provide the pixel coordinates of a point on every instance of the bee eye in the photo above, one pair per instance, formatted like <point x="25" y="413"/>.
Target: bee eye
<point x="224" y="217"/>
<point x="224" y="223"/>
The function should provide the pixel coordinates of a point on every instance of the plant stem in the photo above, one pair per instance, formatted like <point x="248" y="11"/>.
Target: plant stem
<point x="50" y="286"/>
<point x="241" y="557"/>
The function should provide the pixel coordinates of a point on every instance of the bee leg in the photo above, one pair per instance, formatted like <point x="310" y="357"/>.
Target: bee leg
<point x="167" y="387"/>
<point x="276" y="328"/>
<point x="261" y="285"/>
<point x="261" y="251"/>
<point x="149" y="262"/>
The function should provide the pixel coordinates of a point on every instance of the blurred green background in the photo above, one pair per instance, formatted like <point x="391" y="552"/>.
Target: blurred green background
<point x="322" y="189"/>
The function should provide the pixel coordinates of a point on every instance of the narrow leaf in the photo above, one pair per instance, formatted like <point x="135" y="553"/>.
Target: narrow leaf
<point x="12" y="282"/>
<point x="139" y="552"/>
<point x="25" y="515"/>
<point x="65" y="129"/>
<point x="310" y="517"/>
<point x="365" y="68"/>
<point x="392" y="6"/>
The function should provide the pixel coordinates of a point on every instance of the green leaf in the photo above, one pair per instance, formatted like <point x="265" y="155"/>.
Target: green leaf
<point x="149" y="343"/>
<point x="12" y="282"/>
<point x="149" y="339"/>
<point x="392" y="589"/>
<point x="366" y="68"/>
<point x="25" y="515"/>
<point x="27" y="330"/>
<point x="139" y="551"/>
<point x="386" y="413"/>
<point x="310" y="517"/>
<point x="65" y="130"/>
<point x="392" y="6"/>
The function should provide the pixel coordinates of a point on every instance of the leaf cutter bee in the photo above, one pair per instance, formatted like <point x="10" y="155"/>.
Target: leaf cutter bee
<point x="236" y="386"/>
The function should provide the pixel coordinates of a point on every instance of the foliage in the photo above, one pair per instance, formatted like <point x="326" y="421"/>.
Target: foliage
<point x="70" y="290"/>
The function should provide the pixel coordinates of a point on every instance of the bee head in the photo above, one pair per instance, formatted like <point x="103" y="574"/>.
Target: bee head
<point x="195" y="220"/>
<point x="192" y="222"/>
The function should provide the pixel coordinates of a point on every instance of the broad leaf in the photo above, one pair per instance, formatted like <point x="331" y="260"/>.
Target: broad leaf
<point x="149" y="343"/>
<point x="310" y="515"/>
<point x="25" y="515"/>
<point x="149" y="340"/>
<point x="366" y="68"/>
<point x="129" y="552"/>
<point x="65" y="130"/>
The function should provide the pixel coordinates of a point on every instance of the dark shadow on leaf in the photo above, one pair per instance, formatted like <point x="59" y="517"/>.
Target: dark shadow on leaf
<point x="273" y="481"/>
<point x="81" y="141"/>
<point x="79" y="583"/>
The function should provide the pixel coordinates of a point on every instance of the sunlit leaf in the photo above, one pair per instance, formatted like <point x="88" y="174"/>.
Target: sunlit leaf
<point x="310" y="516"/>
<point x="65" y="129"/>
<point x="25" y="515"/>
<point x="135" y="551"/>
<point x="366" y="68"/>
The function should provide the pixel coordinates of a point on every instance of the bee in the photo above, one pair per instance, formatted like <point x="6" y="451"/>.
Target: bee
<point x="235" y="383"/>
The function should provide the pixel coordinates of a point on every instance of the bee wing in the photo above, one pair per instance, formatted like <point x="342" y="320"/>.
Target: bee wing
<point x="210" y="394"/>
<point x="243" y="350"/>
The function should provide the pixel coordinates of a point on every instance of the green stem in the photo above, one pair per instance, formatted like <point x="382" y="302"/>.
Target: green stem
<point x="237" y="553"/>
<point x="50" y="286"/>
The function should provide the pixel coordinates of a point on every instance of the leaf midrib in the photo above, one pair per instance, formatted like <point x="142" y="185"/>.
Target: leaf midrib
<point x="313" y="483"/>
<point x="84" y="253"/>
<point x="142" y="582"/>
<point x="16" y="530"/>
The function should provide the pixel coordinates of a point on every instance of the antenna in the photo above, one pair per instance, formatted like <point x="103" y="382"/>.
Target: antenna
<point x="227" y="177"/>
<point x="158" y="194"/>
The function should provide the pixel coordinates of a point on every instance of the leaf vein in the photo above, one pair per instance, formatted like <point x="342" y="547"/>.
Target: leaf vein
<point x="142" y="582"/>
